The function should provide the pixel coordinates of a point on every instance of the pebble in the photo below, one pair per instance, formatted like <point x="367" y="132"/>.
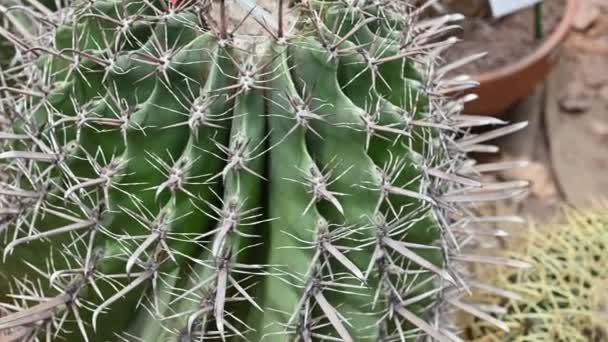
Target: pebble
<point x="585" y="17"/>
<point x="576" y="98"/>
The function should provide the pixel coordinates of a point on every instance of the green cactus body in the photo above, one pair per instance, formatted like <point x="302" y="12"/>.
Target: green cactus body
<point x="168" y="179"/>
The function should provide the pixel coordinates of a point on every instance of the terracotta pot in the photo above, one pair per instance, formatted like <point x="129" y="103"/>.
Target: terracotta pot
<point x="500" y="88"/>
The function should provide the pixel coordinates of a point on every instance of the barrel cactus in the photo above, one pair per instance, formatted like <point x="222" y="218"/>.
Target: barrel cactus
<point x="205" y="170"/>
<point x="562" y="297"/>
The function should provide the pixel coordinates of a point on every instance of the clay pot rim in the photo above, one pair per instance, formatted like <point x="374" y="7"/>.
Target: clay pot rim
<point x="555" y="38"/>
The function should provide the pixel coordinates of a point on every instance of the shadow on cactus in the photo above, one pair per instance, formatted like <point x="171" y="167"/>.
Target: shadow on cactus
<point x="189" y="170"/>
<point x="563" y="296"/>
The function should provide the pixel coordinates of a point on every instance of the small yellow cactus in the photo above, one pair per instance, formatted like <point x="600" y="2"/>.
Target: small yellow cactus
<point x="563" y="296"/>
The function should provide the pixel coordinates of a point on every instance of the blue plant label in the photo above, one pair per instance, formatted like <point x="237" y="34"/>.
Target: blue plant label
<point x="500" y="8"/>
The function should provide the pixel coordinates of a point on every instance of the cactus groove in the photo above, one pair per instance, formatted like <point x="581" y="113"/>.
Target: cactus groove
<point x="205" y="170"/>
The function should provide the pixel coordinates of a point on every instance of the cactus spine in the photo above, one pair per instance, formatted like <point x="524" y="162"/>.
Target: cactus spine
<point x="169" y="178"/>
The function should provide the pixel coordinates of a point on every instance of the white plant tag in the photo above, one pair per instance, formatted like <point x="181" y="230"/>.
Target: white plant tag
<point x="500" y="8"/>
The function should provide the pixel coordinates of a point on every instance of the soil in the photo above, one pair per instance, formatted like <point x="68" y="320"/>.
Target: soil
<point x="506" y="40"/>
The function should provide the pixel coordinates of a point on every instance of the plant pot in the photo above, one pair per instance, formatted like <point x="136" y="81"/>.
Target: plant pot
<point x="500" y="88"/>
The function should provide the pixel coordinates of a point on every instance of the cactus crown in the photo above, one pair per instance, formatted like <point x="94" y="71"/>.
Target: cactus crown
<point x="167" y="178"/>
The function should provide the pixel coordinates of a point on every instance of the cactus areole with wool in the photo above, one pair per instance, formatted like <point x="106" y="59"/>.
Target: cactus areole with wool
<point x="197" y="170"/>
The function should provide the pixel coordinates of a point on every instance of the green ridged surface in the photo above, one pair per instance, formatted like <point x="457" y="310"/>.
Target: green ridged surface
<point x="270" y="189"/>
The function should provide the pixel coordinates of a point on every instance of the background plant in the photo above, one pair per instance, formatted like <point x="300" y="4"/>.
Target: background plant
<point x="562" y="297"/>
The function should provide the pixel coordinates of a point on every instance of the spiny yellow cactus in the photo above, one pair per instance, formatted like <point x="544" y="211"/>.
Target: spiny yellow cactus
<point x="562" y="297"/>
